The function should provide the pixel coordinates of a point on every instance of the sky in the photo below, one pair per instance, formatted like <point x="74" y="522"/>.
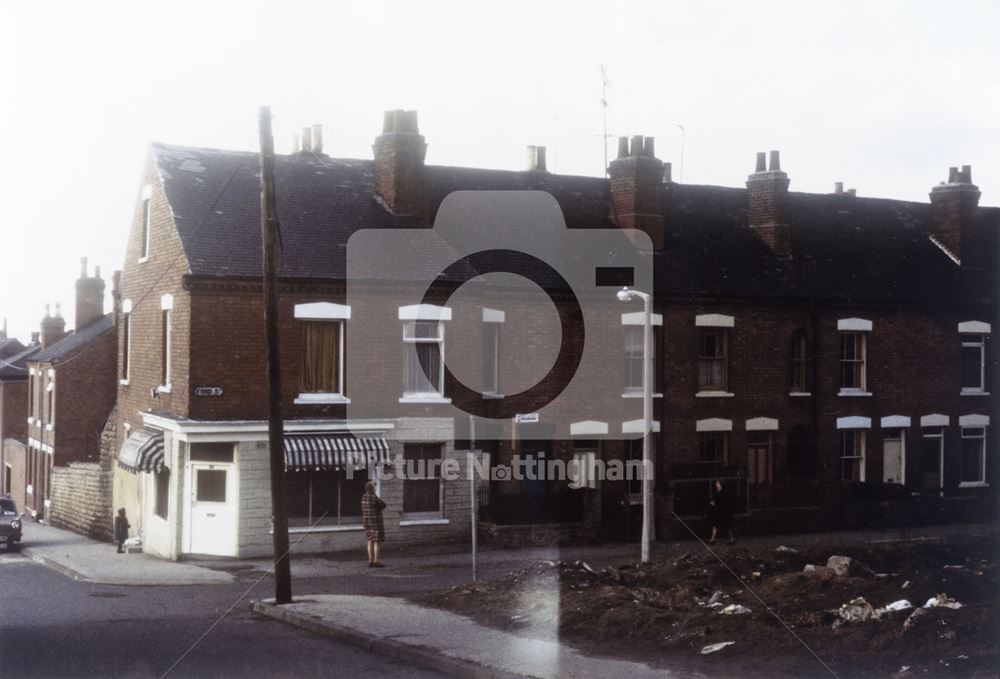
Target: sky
<point x="883" y="96"/>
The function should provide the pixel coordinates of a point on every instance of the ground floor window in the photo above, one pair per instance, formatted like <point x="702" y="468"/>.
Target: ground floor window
<point x="162" y="493"/>
<point x="973" y="463"/>
<point x="712" y="446"/>
<point x="324" y="497"/>
<point x="422" y="480"/>
<point x="852" y="455"/>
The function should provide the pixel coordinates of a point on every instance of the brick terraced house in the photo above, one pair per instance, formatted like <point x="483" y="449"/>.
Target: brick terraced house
<point x="71" y="393"/>
<point x="14" y="413"/>
<point x="809" y="349"/>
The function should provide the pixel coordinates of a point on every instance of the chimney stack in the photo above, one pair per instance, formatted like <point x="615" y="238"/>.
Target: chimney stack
<point x="767" y="205"/>
<point x="3" y="333"/>
<point x="637" y="192"/>
<point x="53" y="328"/>
<point x="536" y="159"/>
<point x="399" y="164"/>
<point x="89" y="296"/>
<point x="954" y="206"/>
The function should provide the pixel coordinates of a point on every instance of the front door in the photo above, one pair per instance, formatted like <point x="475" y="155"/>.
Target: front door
<point x="892" y="458"/>
<point x="213" y="509"/>
<point x="930" y="459"/>
<point x="760" y="469"/>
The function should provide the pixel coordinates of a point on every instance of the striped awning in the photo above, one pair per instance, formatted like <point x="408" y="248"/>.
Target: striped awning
<point x="142" y="452"/>
<point x="333" y="451"/>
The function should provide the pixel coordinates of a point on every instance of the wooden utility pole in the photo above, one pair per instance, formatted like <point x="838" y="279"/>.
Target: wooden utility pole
<point x="270" y="237"/>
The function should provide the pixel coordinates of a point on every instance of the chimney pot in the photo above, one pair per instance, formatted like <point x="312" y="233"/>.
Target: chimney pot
<point x="97" y="272"/>
<point x="636" y="148"/>
<point x="306" y="140"/>
<point x="838" y="187"/>
<point x="852" y="192"/>
<point x="387" y="122"/>
<point x="761" y="162"/>
<point x="952" y="175"/>
<point x="317" y="138"/>
<point x="667" y="171"/>
<point x="48" y="311"/>
<point x="540" y="159"/>
<point x="58" y="309"/>
<point x="398" y="120"/>
<point x="623" y="147"/>
<point x="296" y="143"/>
<point x="83" y="267"/>
<point x="775" y="164"/>
<point x="648" y="148"/>
<point x="967" y="174"/>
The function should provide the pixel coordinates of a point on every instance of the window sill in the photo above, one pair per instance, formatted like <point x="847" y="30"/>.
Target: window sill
<point x="796" y="394"/>
<point x="320" y="399"/>
<point x="124" y="383"/>
<point x="429" y="398"/>
<point x="973" y="484"/>
<point x="31" y="420"/>
<point x="489" y="396"/>
<point x="48" y="427"/>
<point x="164" y="389"/>
<point x="974" y="392"/>
<point x="424" y="522"/>
<point x="638" y="394"/>
<point x="853" y="392"/>
<point x="343" y="528"/>
<point x="714" y="394"/>
<point x="143" y="260"/>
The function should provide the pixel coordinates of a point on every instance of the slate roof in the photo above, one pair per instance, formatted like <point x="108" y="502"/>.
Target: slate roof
<point x="76" y="341"/>
<point x="15" y="367"/>
<point x="850" y="249"/>
<point x="10" y="346"/>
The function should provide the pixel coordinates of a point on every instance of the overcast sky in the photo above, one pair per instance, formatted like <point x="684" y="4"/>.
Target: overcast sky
<point x="881" y="95"/>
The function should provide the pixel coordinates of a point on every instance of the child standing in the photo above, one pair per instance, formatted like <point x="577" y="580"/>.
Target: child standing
<point x="121" y="529"/>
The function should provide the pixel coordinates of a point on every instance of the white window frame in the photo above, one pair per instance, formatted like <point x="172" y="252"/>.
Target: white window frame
<point x="977" y="340"/>
<point x="967" y="435"/>
<point x="167" y="321"/>
<point x="326" y="312"/>
<point x="493" y="320"/>
<point x="127" y="322"/>
<point x="629" y="325"/>
<point x="147" y="222"/>
<point x="410" y="315"/>
<point x="895" y="434"/>
<point x="861" y="348"/>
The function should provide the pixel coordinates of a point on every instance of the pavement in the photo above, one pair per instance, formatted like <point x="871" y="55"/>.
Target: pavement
<point x="338" y="596"/>
<point x="83" y="558"/>
<point x="444" y="641"/>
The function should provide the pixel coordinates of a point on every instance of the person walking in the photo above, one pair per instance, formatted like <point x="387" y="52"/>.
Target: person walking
<point x="371" y="519"/>
<point x="121" y="529"/>
<point x="720" y="513"/>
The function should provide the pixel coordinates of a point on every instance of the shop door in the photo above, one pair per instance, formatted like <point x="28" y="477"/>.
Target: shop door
<point x="213" y="510"/>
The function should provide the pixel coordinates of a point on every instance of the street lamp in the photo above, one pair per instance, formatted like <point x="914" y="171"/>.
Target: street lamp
<point x="626" y="295"/>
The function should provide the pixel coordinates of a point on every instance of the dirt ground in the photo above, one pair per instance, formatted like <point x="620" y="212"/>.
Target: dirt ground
<point x="665" y="612"/>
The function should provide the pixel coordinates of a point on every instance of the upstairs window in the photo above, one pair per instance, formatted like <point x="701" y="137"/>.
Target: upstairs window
<point x="633" y="327"/>
<point x="852" y="361"/>
<point x="712" y="360"/>
<point x="423" y="351"/>
<point x="126" y="327"/>
<point x="973" y="364"/>
<point x="145" y="225"/>
<point x="493" y="321"/>
<point x="854" y="356"/>
<point x="166" y="341"/>
<point x="799" y="378"/>
<point x="321" y="369"/>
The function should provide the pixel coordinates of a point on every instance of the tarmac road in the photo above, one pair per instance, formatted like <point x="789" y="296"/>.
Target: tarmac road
<point x="53" y="626"/>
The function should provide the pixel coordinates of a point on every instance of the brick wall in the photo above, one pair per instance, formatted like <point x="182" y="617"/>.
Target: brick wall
<point x="82" y="493"/>
<point x="15" y="454"/>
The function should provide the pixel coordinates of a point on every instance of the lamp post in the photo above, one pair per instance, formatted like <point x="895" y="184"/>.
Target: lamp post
<point x="626" y="295"/>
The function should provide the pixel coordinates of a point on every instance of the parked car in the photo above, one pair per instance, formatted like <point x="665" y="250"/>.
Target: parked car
<point x="10" y="523"/>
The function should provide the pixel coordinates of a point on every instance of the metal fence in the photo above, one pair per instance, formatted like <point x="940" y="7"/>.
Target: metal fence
<point x="691" y="496"/>
<point x="562" y="506"/>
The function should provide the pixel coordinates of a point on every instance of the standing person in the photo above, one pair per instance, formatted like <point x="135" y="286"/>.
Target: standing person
<point x="720" y="513"/>
<point x="121" y="529"/>
<point x="371" y="519"/>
